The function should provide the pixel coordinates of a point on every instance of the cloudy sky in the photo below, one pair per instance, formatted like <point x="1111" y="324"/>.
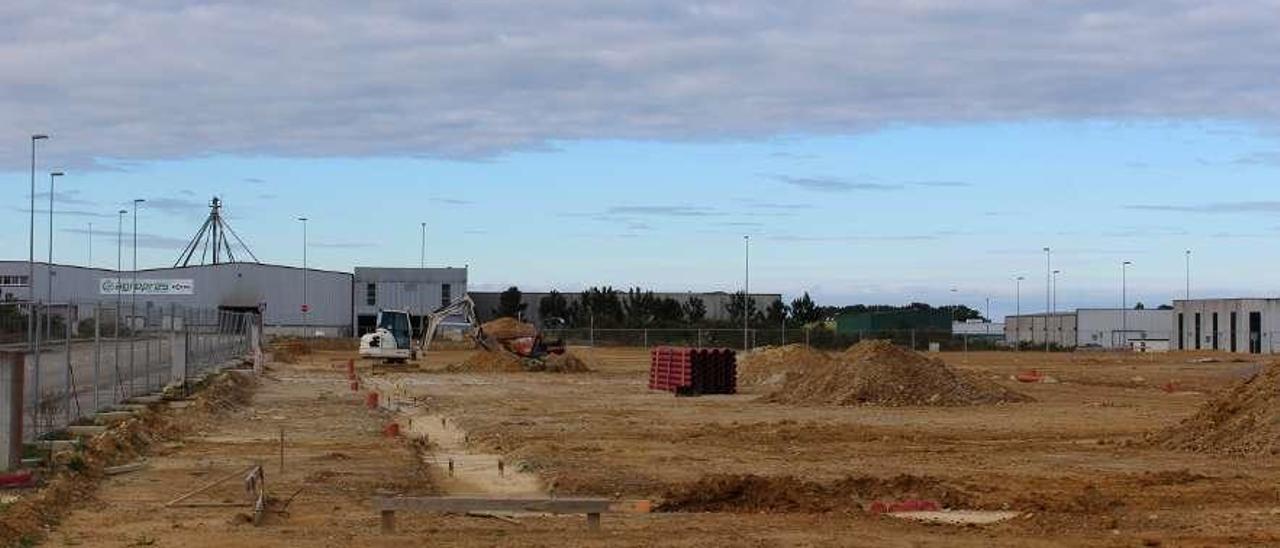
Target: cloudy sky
<point x="873" y="151"/>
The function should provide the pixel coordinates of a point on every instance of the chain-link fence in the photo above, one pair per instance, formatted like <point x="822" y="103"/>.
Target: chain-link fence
<point x="918" y="339"/>
<point x="85" y="358"/>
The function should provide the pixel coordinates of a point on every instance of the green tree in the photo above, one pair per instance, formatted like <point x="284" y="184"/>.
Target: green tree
<point x="695" y="310"/>
<point x="510" y="303"/>
<point x="554" y="305"/>
<point x="668" y="313"/>
<point x="804" y="311"/>
<point x="738" y="303"/>
<point x="601" y="303"/>
<point x="776" y="313"/>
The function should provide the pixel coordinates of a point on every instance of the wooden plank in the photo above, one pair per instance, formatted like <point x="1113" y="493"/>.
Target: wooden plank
<point x="462" y="505"/>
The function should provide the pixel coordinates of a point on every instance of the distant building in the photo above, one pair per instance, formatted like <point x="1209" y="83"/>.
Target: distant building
<point x="861" y="323"/>
<point x="1234" y="325"/>
<point x="1109" y="328"/>
<point x="416" y="290"/>
<point x="1059" y="328"/>
<point x="978" y="329"/>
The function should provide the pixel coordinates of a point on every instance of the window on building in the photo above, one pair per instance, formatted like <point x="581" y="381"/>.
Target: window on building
<point x="446" y="294"/>
<point x="13" y="281"/>
<point x="371" y="294"/>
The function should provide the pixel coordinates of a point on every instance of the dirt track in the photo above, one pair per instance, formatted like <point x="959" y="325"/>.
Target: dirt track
<point x="1070" y="463"/>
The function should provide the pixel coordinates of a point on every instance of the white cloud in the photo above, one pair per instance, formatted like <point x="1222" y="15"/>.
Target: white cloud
<point x="123" y="82"/>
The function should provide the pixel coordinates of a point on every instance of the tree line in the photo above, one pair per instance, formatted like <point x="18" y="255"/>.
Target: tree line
<point x="606" y="307"/>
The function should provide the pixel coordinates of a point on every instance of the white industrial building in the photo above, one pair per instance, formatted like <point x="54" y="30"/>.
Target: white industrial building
<point x="1059" y="328"/>
<point x="416" y="290"/>
<point x="1110" y="328"/>
<point x="1232" y="325"/>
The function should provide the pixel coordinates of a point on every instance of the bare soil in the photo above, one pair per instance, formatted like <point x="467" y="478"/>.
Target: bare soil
<point x="1074" y="464"/>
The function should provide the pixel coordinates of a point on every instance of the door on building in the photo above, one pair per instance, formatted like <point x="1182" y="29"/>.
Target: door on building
<point x="1235" y="331"/>
<point x="1215" y="331"/>
<point x="1198" y="332"/>
<point x="1255" y="332"/>
<point x="1182" y="331"/>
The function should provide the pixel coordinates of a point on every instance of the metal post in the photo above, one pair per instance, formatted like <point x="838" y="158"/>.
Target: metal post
<point x="746" y="291"/>
<point x="422" y="252"/>
<point x="591" y="331"/>
<point x="1048" y="293"/>
<point x="32" y="325"/>
<point x="97" y="354"/>
<point x="70" y="381"/>
<point x="1188" y="274"/>
<point x="133" y="297"/>
<point x="1017" y="325"/>
<point x="304" y="275"/>
<point x="12" y="370"/>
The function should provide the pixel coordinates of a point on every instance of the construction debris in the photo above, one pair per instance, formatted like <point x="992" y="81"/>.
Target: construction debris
<point x="880" y="373"/>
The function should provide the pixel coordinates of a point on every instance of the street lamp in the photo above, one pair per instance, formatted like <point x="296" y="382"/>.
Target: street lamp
<point x="305" y="307"/>
<point x="119" y="273"/>
<point x="422" y="253"/>
<point x="1017" y="297"/>
<point x="1124" y="299"/>
<point x="1188" y="274"/>
<point x="31" y="260"/>
<point x="49" y="267"/>
<point x="1048" y="293"/>
<point x="1054" y="306"/>
<point x="133" y="293"/>
<point x="746" y="292"/>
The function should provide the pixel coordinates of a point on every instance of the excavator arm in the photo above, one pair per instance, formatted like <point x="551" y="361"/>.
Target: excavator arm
<point x="463" y="306"/>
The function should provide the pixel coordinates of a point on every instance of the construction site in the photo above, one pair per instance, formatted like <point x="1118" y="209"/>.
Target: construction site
<point x="503" y="438"/>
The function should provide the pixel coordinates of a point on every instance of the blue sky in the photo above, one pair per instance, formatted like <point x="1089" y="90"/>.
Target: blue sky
<point x="875" y="152"/>
<point x="889" y="216"/>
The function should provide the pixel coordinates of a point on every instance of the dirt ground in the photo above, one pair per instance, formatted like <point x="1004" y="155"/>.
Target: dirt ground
<point x="1072" y="464"/>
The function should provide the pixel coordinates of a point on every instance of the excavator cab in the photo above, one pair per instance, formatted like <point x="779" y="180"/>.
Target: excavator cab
<point x="392" y="340"/>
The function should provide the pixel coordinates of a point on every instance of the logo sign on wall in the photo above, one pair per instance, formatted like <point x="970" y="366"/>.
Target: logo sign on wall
<point x="113" y="286"/>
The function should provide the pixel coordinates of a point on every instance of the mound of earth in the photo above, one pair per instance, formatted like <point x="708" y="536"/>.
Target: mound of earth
<point x="750" y="493"/>
<point x="489" y="362"/>
<point x="880" y="373"/>
<point x="1244" y="420"/>
<point x="506" y="362"/>
<point x="569" y="362"/>
<point x="508" y="328"/>
<point x="771" y="365"/>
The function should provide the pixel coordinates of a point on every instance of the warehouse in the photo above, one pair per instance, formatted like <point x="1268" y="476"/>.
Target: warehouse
<point x="277" y="289"/>
<point x="1109" y="328"/>
<point x="1232" y="325"/>
<point x="416" y="290"/>
<point x="1032" y="329"/>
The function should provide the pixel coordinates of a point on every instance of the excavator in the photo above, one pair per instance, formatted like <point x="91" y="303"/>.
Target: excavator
<point x="392" y="340"/>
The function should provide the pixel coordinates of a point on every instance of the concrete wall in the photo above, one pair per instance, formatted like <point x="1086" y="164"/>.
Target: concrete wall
<point x="1030" y="328"/>
<point x="1115" y="327"/>
<point x="1263" y="341"/>
<point x="277" y="287"/>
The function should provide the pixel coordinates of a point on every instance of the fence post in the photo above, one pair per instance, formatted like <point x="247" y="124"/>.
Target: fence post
<point x="646" y="338"/>
<point x="71" y="382"/>
<point x="97" y="353"/>
<point x="177" y="358"/>
<point x="12" y="370"/>
<point x="591" y="332"/>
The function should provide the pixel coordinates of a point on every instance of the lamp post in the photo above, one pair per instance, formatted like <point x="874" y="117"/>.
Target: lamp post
<point x="1048" y="293"/>
<point x="31" y="260"/>
<point x="133" y="292"/>
<point x="90" y="262"/>
<point x="48" y="322"/>
<point x="1188" y="274"/>
<point x="1017" y="297"/>
<point x="305" y="306"/>
<point x="1054" y="306"/>
<point x="422" y="253"/>
<point x="119" y="293"/>
<point x="746" y="293"/>
<point x="1124" y="299"/>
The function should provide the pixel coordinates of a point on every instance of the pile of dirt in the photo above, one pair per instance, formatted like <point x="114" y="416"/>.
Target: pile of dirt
<point x="771" y="365"/>
<point x="506" y="362"/>
<point x="489" y="362"/>
<point x="569" y="362"/>
<point x="1244" y="420"/>
<point x="750" y="493"/>
<point x="880" y="373"/>
<point x="289" y="349"/>
<point x="508" y="328"/>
